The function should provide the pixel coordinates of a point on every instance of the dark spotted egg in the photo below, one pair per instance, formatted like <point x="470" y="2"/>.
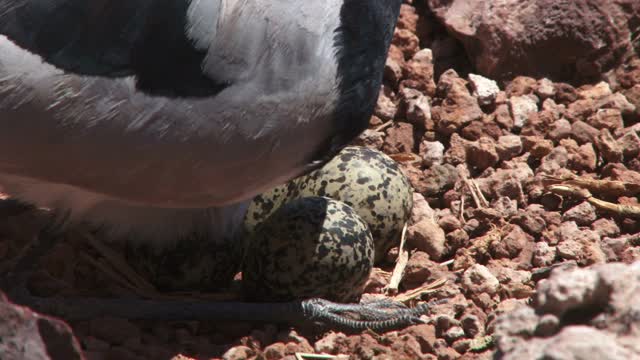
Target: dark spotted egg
<point x="366" y="179"/>
<point x="309" y="247"/>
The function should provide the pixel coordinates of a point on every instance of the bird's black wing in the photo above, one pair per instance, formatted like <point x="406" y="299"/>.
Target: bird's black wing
<point x="88" y="37"/>
<point x="113" y="38"/>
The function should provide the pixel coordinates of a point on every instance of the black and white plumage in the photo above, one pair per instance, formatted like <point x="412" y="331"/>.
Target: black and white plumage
<point x="162" y="118"/>
<point x="152" y="116"/>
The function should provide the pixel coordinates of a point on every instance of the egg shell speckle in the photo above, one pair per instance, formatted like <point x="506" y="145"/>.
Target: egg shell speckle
<point x="310" y="247"/>
<point x="365" y="179"/>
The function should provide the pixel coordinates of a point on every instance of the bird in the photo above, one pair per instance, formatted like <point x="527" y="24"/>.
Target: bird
<point x="157" y="118"/>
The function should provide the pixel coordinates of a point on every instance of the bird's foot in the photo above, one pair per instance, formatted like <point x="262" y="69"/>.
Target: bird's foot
<point x="379" y="315"/>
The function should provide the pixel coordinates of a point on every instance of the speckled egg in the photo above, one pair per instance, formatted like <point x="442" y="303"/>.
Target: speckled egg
<point x="309" y="247"/>
<point x="265" y="204"/>
<point x="366" y="179"/>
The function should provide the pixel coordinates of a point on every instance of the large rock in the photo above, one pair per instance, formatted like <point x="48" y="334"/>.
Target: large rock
<point x="25" y="334"/>
<point x="588" y="313"/>
<point x="569" y="40"/>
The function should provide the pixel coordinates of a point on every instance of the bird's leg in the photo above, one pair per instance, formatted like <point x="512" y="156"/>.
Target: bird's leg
<point x="334" y="315"/>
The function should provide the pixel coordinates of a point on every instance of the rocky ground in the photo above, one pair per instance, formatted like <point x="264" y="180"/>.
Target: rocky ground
<point x="526" y="200"/>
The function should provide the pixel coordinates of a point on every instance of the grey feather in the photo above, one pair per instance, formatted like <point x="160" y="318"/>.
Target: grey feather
<point x="111" y="129"/>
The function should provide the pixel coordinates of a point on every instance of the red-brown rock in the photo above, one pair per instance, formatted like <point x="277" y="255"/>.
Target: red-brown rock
<point x="399" y="138"/>
<point x="418" y="73"/>
<point x="458" y="108"/>
<point x="406" y="41"/>
<point x="575" y="32"/>
<point x="25" y="334"/>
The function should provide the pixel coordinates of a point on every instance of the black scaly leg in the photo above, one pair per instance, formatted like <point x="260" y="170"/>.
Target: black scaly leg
<point x="327" y="313"/>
